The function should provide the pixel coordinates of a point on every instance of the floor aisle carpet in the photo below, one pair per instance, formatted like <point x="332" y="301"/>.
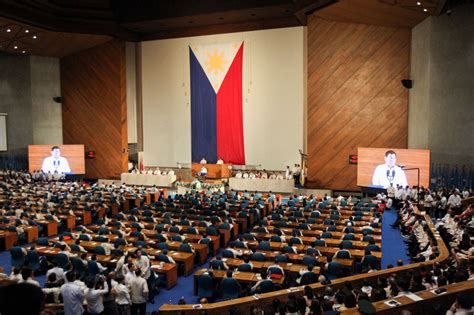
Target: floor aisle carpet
<point x="393" y="247"/>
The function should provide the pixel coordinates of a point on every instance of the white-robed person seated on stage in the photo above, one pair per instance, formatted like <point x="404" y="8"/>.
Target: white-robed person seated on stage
<point x="238" y="174"/>
<point x="220" y="161"/>
<point x="55" y="162"/>
<point x="203" y="171"/>
<point x="157" y="171"/>
<point x="389" y="173"/>
<point x="203" y="161"/>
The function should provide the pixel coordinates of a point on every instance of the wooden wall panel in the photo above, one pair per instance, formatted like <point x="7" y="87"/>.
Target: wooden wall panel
<point x="355" y="97"/>
<point x="94" y="106"/>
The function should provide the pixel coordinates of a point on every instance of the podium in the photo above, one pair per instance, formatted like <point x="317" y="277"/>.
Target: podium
<point x="213" y="170"/>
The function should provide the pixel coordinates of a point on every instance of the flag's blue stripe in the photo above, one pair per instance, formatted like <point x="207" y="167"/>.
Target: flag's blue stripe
<point x="203" y="114"/>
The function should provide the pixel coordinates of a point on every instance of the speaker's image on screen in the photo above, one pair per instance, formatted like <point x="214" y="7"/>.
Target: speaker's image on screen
<point x="62" y="159"/>
<point x="382" y="167"/>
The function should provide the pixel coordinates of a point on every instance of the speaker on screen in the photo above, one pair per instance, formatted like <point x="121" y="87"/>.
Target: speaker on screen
<point x="407" y="83"/>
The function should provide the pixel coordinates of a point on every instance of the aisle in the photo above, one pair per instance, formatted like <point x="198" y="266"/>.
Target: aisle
<point x="393" y="247"/>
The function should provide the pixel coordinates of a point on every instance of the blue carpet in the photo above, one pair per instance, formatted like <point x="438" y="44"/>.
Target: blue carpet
<point x="393" y="247"/>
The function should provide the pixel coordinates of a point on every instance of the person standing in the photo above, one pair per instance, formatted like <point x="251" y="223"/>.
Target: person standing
<point x="138" y="293"/>
<point x="73" y="296"/>
<point x="122" y="298"/>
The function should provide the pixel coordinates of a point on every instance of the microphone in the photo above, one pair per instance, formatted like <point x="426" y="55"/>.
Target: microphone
<point x="401" y="166"/>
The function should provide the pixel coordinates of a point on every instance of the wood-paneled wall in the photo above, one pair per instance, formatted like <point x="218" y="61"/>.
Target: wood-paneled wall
<point x="355" y="97"/>
<point x="93" y="88"/>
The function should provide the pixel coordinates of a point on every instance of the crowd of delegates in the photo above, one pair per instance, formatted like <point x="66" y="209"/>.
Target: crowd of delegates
<point x="155" y="171"/>
<point x="436" y="202"/>
<point x="39" y="175"/>
<point x="126" y="288"/>
<point x="264" y="174"/>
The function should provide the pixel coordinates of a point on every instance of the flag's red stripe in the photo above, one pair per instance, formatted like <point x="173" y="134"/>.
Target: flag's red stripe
<point x="230" y="126"/>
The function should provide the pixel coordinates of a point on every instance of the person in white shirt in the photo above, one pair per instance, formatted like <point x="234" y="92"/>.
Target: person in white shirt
<point x="15" y="274"/>
<point x="27" y="276"/>
<point x="143" y="263"/>
<point x="73" y="296"/>
<point x="203" y="161"/>
<point x="203" y="171"/>
<point x="139" y="293"/>
<point x="462" y="305"/>
<point x="57" y="270"/>
<point x="454" y="201"/>
<point x="465" y="193"/>
<point x="390" y="172"/>
<point x="287" y="172"/>
<point x="238" y="174"/>
<point x="220" y="161"/>
<point x="122" y="298"/>
<point x="55" y="163"/>
<point x="94" y="295"/>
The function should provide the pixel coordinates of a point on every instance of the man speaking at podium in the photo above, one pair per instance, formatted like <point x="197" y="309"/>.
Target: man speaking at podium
<point x="55" y="162"/>
<point x="389" y="173"/>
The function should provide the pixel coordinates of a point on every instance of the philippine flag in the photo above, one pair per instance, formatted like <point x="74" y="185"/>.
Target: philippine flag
<point x="216" y="102"/>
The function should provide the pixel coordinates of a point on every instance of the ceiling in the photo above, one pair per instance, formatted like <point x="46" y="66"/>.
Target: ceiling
<point x="19" y="38"/>
<point x="63" y="27"/>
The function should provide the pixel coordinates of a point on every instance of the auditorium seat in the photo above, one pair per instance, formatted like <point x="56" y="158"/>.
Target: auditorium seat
<point x="205" y="286"/>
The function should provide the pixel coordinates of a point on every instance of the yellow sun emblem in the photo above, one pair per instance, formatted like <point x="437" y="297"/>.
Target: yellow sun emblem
<point x="215" y="61"/>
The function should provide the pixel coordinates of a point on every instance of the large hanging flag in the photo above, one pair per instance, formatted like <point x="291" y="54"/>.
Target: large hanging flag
<point x="216" y="102"/>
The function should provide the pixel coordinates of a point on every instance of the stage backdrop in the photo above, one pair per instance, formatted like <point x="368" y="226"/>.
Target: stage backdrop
<point x="273" y="94"/>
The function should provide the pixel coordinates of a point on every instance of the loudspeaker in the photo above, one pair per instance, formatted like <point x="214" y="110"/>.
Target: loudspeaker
<point x="58" y="99"/>
<point x="407" y="83"/>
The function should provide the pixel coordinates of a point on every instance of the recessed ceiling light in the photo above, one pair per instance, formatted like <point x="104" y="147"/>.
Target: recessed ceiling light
<point x="425" y="10"/>
<point x="15" y="47"/>
<point x="27" y="31"/>
<point x="9" y="30"/>
<point x="23" y="51"/>
<point x="418" y="3"/>
<point x="35" y="37"/>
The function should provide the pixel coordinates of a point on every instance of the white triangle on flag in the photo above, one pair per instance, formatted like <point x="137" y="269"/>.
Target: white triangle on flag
<point x="215" y="60"/>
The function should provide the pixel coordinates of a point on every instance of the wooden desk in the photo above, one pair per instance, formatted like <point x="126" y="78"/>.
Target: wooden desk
<point x="9" y="238"/>
<point x="241" y="276"/>
<point x="427" y="296"/>
<point x="169" y="270"/>
<point x="85" y="215"/>
<point x="69" y="219"/>
<point x="31" y="233"/>
<point x="50" y="227"/>
<point x="263" y="265"/>
<point x="213" y="170"/>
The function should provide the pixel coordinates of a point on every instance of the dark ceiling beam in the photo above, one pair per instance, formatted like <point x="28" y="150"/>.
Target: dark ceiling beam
<point x="303" y="8"/>
<point x="223" y="28"/>
<point x="146" y="10"/>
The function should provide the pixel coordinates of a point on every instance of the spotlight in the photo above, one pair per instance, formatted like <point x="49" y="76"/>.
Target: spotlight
<point x="418" y="3"/>
<point x="27" y="31"/>
<point x="9" y="30"/>
<point x="35" y="37"/>
<point x="425" y="10"/>
<point x="15" y="47"/>
<point x="23" y="51"/>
